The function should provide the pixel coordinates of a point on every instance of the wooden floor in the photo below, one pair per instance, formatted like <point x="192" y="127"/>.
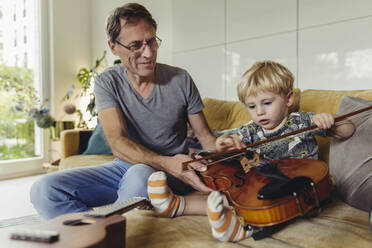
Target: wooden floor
<point x="15" y="197"/>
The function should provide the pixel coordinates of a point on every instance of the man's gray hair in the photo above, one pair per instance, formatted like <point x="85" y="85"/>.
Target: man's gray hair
<point x="131" y="12"/>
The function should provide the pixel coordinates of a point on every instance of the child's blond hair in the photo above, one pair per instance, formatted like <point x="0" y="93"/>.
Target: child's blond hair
<point x="265" y="76"/>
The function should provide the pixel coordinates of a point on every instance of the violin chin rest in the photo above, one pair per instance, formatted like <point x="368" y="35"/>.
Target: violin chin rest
<point x="281" y="188"/>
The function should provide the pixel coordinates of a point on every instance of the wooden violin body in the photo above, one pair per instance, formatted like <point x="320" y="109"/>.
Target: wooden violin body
<point x="241" y="190"/>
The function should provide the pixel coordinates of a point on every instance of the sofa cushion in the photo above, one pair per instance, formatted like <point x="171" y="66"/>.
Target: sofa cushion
<point x="84" y="160"/>
<point x="223" y="115"/>
<point x="320" y="101"/>
<point x="339" y="225"/>
<point x="351" y="160"/>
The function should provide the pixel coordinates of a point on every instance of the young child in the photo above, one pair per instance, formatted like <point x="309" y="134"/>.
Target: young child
<point x="266" y="90"/>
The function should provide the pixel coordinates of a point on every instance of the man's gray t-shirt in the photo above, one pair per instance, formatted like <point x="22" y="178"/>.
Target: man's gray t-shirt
<point x="158" y="122"/>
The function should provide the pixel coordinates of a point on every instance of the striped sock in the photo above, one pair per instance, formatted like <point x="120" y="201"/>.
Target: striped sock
<point x="165" y="203"/>
<point x="225" y="226"/>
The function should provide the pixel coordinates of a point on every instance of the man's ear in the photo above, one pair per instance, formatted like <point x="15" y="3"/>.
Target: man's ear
<point x="112" y="47"/>
<point x="290" y="98"/>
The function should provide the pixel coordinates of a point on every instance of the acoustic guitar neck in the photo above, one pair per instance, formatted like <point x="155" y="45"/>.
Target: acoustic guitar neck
<point x="117" y="208"/>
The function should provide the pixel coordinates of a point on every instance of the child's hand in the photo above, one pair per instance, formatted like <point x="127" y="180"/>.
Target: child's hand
<point x="324" y="120"/>
<point x="228" y="142"/>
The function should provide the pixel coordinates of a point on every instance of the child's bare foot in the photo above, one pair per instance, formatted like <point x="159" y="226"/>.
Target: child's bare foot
<point x="165" y="203"/>
<point x="225" y="226"/>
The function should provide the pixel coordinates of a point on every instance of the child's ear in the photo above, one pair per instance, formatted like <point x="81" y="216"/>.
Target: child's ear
<point x="290" y="98"/>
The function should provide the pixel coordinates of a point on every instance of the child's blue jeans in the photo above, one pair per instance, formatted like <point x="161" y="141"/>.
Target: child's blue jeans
<point x="80" y="189"/>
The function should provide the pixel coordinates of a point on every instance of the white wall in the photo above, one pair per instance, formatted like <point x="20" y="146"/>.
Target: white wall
<point x="71" y="47"/>
<point x="327" y="44"/>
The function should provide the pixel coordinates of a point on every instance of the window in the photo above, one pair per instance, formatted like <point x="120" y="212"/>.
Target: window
<point x="22" y="66"/>
<point x="24" y="34"/>
<point x="15" y="38"/>
<point x="25" y="58"/>
<point x="24" y="8"/>
<point x="14" y="12"/>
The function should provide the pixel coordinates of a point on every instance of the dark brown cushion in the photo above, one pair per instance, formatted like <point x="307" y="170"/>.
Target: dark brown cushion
<point x="351" y="159"/>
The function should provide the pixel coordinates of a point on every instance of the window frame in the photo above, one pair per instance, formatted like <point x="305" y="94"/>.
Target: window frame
<point x="31" y="166"/>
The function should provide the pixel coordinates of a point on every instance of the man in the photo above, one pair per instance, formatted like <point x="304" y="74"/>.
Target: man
<point x="144" y="108"/>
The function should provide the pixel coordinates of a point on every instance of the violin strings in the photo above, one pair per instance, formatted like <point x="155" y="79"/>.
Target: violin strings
<point x="218" y="161"/>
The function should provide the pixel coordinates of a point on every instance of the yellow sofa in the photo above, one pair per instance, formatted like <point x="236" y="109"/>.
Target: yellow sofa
<point x="338" y="225"/>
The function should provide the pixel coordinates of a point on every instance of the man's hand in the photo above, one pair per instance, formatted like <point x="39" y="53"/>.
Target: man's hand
<point x="228" y="142"/>
<point x="174" y="167"/>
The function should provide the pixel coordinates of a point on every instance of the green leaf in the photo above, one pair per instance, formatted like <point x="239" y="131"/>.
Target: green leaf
<point x="84" y="77"/>
<point x="45" y="121"/>
<point x="117" y="61"/>
<point x="91" y="107"/>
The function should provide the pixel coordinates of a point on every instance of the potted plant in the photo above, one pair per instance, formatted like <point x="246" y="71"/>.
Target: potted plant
<point x="85" y="78"/>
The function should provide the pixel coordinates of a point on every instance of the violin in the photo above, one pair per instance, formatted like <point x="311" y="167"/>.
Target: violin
<point x="242" y="189"/>
<point x="265" y="192"/>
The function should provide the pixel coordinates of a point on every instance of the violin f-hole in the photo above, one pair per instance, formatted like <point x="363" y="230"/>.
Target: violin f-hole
<point x="239" y="175"/>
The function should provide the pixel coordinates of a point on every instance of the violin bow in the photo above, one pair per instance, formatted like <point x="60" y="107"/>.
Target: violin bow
<point x="249" y="147"/>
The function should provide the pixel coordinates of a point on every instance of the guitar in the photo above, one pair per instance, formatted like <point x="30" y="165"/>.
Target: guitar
<point x="102" y="227"/>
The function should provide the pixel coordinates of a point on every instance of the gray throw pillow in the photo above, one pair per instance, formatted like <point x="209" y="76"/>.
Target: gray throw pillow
<point x="350" y="160"/>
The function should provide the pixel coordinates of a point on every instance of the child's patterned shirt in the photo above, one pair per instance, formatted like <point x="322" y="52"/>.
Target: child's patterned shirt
<point x="303" y="145"/>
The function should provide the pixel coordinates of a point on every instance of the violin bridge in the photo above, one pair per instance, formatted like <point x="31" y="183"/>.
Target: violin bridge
<point x="248" y="164"/>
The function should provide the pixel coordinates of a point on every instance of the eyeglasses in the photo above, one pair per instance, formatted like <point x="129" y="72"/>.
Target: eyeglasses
<point x="137" y="46"/>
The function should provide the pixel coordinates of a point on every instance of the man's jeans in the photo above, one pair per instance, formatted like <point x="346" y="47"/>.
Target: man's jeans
<point x="81" y="189"/>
